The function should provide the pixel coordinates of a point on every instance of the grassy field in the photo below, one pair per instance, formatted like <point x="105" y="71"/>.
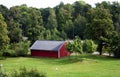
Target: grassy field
<point x="74" y="66"/>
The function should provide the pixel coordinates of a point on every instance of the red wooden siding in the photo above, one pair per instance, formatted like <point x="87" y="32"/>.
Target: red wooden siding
<point x="63" y="51"/>
<point x="42" y="53"/>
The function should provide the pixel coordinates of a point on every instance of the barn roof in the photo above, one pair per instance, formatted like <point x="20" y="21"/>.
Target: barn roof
<point x="47" y="45"/>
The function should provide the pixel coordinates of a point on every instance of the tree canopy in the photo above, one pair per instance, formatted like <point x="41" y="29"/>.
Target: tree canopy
<point x="62" y="22"/>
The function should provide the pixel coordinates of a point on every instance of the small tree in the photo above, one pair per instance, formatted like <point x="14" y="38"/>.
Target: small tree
<point x="75" y="46"/>
<point x="78" y="45"/>
<point x="89" y="46"/>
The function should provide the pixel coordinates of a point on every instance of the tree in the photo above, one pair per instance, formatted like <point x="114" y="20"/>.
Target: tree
<point x="114" y="8"/>
<point x="64" y="18"/>
<point x="78" y="45"/>
<point x="75" y="46"/>
<point x="45" y="14"/>
<point x="15" y="32"/>
<point x="52" y="21"/>
<point x="114" y="43"/>
<point x="99" y="25"/>
<point x="70" y="46"/>
<point x="79" y="26"/>
<point x="115" y="11"/>
<point x="5" y="12"/>
<point x="4" y="39"/>
<point x="34" y="27"/>
<point x="80" y="8"/>
<point x="68" y="29"/>
<point x="89" y="46"/>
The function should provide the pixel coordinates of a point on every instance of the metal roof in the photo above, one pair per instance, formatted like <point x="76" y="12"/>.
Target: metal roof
<point x="47" y="45"/>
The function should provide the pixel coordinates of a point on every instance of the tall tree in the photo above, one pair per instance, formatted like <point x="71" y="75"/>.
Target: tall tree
<point x="80" y="8"/>
<point x="64" y="18"/>
<point x="15" y="32"/>
<point x="4" y="39"/>
<point x="35" y="26"/>
<point x="79" y="26"/>
<point x="45" y="14"/>
<point x="52" y="21"/>
<point x="5" y="12"/>
<point x="114" y="10"/>
<point x="99" y="26"/>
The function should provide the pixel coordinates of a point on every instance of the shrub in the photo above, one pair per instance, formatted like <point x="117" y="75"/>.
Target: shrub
<point x="18" y="49"/>
<point x="23" y="72"/>
<point x="22" y="48"/>
<point x="69" y="46"/>
<point x="89" y="46"/>
<point x="9" y="53"/>
<point x="3" y="74"/>
<point x="75" y="46"/>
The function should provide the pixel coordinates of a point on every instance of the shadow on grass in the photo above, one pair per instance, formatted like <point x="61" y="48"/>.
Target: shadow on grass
<point x="76" y="58"/>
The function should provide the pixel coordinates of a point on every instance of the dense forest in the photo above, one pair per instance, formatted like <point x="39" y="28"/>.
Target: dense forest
<point x="64" y="21"/>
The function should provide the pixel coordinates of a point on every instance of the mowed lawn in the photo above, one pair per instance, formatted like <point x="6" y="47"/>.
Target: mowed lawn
<point x="74" y="66"/>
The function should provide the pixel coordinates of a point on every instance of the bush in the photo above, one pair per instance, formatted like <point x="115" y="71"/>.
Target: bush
<point x="16" y="49"/>
<point x="23" y="72"/>
<point x="89" y="46"/>
<point x="22" y="48"/>
<point x="1" y="57"/>
<point x="75" y="46"/>
<point x="70" y="46"/>
<point x="9" y="53"/>
<point x="3" y="74"/>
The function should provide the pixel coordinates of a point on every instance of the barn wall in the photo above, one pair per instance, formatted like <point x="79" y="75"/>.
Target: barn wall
<point x="63" y="51"/>
<point x="39" y="53"/>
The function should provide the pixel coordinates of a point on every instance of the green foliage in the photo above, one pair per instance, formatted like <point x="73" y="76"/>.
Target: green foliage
<point x="78" y="45"/>
<point x="99" y="25"/>
<point x="9" y="53"/>
<point x="79" y="26"/>
<point x="52" y="21"/>
<point x="4" y="39"/>
<point x="114" y="43"/>
<point x="15" y="32"/>
<point x="70" y="46"/>
<point x="114" y="10"/>
<point x="33" y="30"/>
<point x="65" y="21"/>
<point x="3" y="74"/>
<point x="75" y="46"/>
<point x="5" y="12"/>
<point x="23" y="72"/>
<point x="17" y="49"/>
<point x="89" y="46"/>
<point x="22" y="48"/>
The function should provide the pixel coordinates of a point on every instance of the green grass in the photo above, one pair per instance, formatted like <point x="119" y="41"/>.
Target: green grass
<point x="74" y="66"/>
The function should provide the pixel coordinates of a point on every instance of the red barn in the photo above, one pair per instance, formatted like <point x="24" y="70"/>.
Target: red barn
<point x="53" y="49"/>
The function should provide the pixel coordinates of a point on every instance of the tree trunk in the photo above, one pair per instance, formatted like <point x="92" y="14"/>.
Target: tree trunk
<point x="100" y="46"/>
